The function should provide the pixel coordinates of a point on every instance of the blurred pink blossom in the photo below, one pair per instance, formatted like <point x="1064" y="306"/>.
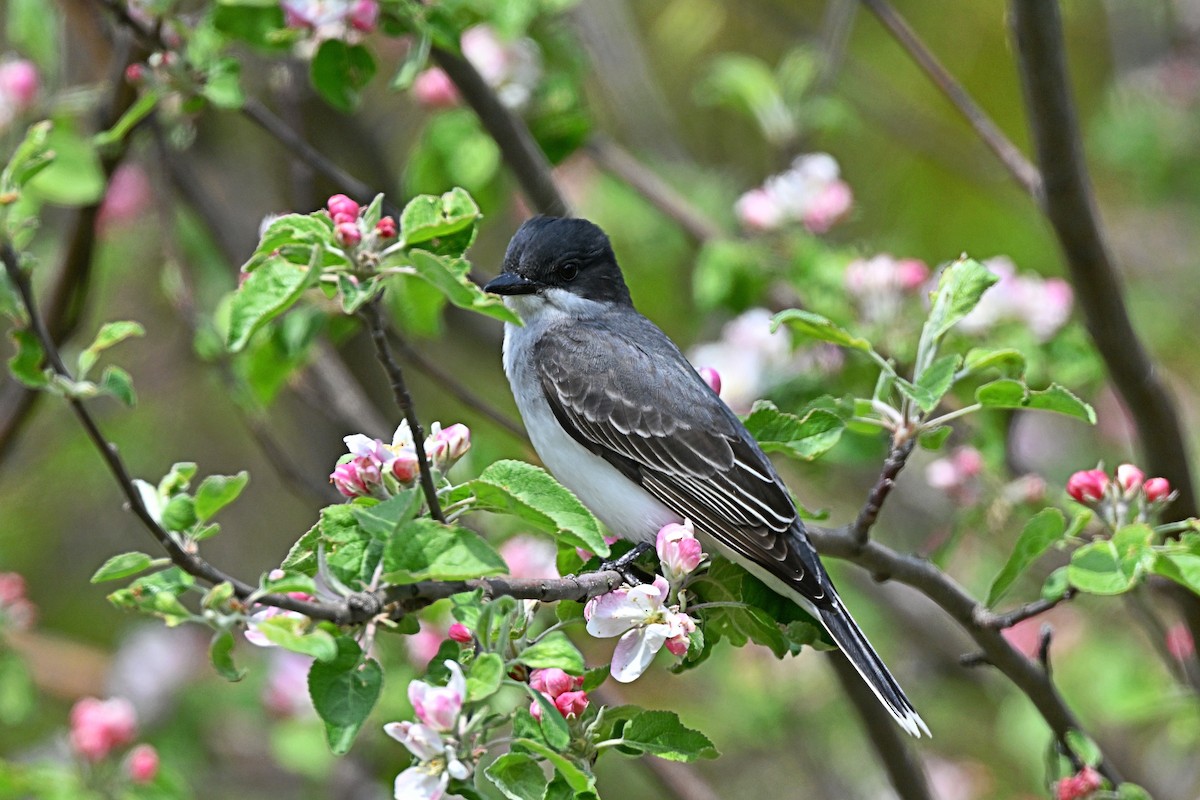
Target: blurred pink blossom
<point x="1088" y="486"/>
<point x="100" y="726"/>
<point x="757" y="210"/>
<point x="331" y="19"/>
<point x="460" y="633"/>
<point x="530" y="557"/>
<point x="1180" y="643"/>
<point x="1041" y="304"/>
<point x="141" y="765"/>
<point x="1156" y="489"/>
<point x="810" y="192"/>
<point x="1079" y="786"/>
<point x="16" y="610"/>
<point x="423" y="645"/>
<point x="286" y="693"/>
<point x="955" y="474"/>
<point x="880" y="285"/>
<point x="434" y="89"/>
<point x="828" y="206"/>
<point x="747" y="356"/>
<point x="19" y="84"/>
<point x="128" y="196"/>
<point x="513" y="69"/>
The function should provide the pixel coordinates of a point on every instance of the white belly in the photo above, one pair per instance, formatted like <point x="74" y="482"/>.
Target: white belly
<point x="625" y="508"/>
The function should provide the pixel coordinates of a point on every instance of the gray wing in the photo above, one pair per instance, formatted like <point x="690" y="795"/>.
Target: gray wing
<point x="658" y="422"/>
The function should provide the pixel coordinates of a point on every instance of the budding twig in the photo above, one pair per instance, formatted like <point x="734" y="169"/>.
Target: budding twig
<point x="1001" y="621"/>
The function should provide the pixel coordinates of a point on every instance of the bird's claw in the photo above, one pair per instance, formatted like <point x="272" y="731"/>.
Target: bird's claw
<point x="624" y="565"/>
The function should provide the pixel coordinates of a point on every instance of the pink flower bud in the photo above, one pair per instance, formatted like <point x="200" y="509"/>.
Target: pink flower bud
<point x="12" y="588"/>
<point x="1130" y="478"/>
<point x="1180" y="643"/>
<point x="1088" y="486"/>
<point x="142" y="764"/>
<point x="712" y="378"/>
<point x="758" y="210"/>
<point x="135" y="73"/>
<point x="1156" y="489"/>
<point x="386" y="228"/>
<point x="18" y="83"/>
<point x="405" y="467"/>
<point x="364" y="15"/>
<point x="99" y="726"/>
<point x="828" y="207"/>
<point x="434" y="89"/>
<point x="346" y="480"/>
<point x="1080" y="786"/>
<point x="911" y="274"/>
<point x="679" y="551"/>
<point x="571" y="704"/>
<point x="444" y="446"/>
<point x="128" y="196"/>
<point x="340" y="204"/>
<point x="460" y="633"/>
<point x="678" y="645"/>
<point x="553" y="681"/>
<point x="348" y="234"/>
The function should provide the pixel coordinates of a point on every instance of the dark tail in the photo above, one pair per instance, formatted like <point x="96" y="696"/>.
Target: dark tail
<point x="854" y="645"/>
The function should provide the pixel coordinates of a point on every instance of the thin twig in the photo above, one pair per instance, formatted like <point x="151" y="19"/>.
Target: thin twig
<point x="454" y="386"/>
<point x="383" y="352"/>
<point x="621" y="163"/>
<point x="955" y="601"/>
<point x="517" y="145"/>
<point x="903" y="768"/>
<point x="1001" y="621"/>
<point x="1025" y="173"/>
<point x="896" y="459"/>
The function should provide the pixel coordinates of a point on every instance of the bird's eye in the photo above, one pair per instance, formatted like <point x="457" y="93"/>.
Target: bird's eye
<point x="569" y="270"/>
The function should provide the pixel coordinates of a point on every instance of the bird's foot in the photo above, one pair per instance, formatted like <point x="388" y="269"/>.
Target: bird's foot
<point x="624" y="565"/>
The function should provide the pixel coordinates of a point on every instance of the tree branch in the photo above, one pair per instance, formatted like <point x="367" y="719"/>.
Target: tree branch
<point x="383" y="352"/>
<point x="896" y="459"/>
<point x="903" y="769"/>
<point x="521" y="152"/>
<point x="1025" y="173"/>
<point x="1001" y="621"/>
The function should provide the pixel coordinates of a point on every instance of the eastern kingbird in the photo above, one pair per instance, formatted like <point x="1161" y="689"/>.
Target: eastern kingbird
<point x="622" y="419"/>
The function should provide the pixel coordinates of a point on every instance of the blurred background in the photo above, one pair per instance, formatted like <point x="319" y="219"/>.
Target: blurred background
<point x="706" y="101"/>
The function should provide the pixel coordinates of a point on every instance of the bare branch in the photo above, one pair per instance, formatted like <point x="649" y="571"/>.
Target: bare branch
<point x="1001" y="621"/>
<point x="1025" y="173"/>
<point x="517" y="145"/>
<point x="897" y="458"/>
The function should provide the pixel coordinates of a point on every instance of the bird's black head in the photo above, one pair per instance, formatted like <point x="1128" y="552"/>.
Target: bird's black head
<point x="570" y="254"/>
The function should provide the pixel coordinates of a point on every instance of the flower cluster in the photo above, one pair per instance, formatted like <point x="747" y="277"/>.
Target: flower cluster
<point x="565" y="692"/>
<point x="1041" y="304"/>
<point x="16" y="610"/>
<point x="375" y="469"/>
<point x="435" y="740"/>
<point x="641" y="616"/>
<point x="19" y="85"/>
<point x="331" y="19"/>
<point x="513" y="69"/>
<point x="1078" y="786"/>
<point x="1128" y="496"/>
<point x="810" y="192"/>
<point x="350" y="230"/>
<point x="879" y="285"/>
<point x="98" y="727"/>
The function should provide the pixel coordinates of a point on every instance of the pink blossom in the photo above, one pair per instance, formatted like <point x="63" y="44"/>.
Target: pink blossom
<point x="1180" y="644"/>
<point x="340" y="205"/>
<point x="1043" y="305"/>
<point x="678" y="644"/>
<point x="423" y="645"/>
<point x="640" y="617"/>
<point x="255" y="636"/>
<point x="1088" y="486"/>
<point x="286" y="693"/>
<point x="530" y="557"/>
<point x="19" y="84"/>
<point x="434" y="89"/>
<point x="364" y="15"/>
<point x="513" y="69"/>
<point x="1080" y="786"/>
<point x="712" y="378"/>
<point x="748" y="356"/>
<point x="128" y="196"/>
<point x="1130" y="479"/>
<point x="444" y="447"/>
<point x="757" y="210"/>
<point x="955" y="474"/>
<point x="553" y="681"/>
<point x="439" y="706"/>
<point x="12" y="588"/>
<point x="437" y="758"/>
<point x="1157" y="489"/>
<point x="679" y="551"/>
<point x="142" y="764"/>
<point x="100" y="726"/>
<point x="588" y="555"/>
<point x="386" y="228"/>
<point x="348" y="233"/>
<point x="571" y="704"/>
<point x="460" y="633"/>
<point x="830" y="204"/>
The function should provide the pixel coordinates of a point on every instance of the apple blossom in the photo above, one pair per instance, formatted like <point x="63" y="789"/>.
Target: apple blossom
<point x="19" y="83"/>
<point x="757" y="210"/>
<point x="100" y="726"/>
<point x="1088" y="486"/>
<point x="810" y="192"/>
<point x="141" y="765"/>
<point x="530" y="557"/>
<point x="348" y="234"/>
<point x="364" y="15"/>
<point x="434" y="89"/>
<point x="640" y="617"/>
<point x="1079" y="786"/>
<point x="128" y="196"/>
<point x="439" y="706"/>
<point x="1179" y="641"/>
<point x="571" y="704"/>
<point x="1043" y="305"/>
<point x="955" y="474"/>
<point x="748" y="356"/>
<point x="386" y="228"/>
<point x="437" y="759"/>
<point x="460" y="633"/>
<point x="679" y="551"/>
<point x="342" y="208"/>
<point x="286" y="693"/>
<point x="1130" y="479"/>
<point x="423" y="645"/>
<point x="1157" y="489"/>
<point x="513" y="69"/>
<point x="561" y="689"/>
<point x="712" y="378"/>
<point x="443" y="447"/>
<point x="256" y="637"/>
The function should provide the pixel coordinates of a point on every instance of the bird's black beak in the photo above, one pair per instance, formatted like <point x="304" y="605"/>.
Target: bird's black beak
<point x="511" y="283"/>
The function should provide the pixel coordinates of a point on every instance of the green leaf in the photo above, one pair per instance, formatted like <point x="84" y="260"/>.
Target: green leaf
<point x="1009" y="393"/>
<point x="1043" y="530"/>
<point x="518" y="777"/>
<point x="661" y="733"/>
<point x="1007" y="361"/>
<point x="933" y="383"/>
<point x="137" y="112"/>
<point x="1083" y="746"/>
<point x="449" y="275"/>
<point x="1183" y="568"/>
<point x="218" y="491"/>
<point x="577" y="777"/>
<point x="344" y="691"/>
<point x="934" y="438"/>
<point x="292" y="233"/>
<point x="425" y="549"/>
<point x="75" y="177"/>
<point x="119" y="383"/>
<point x="382" y="520"/>
<point x="815" y="326"/>
<point x="414" y="62"/>
<point x="18" y="694"/>
<point x="179" y="514"/>
<point x="1131" y="791"/>
<point x="1097" y="568"/>
<point x="755" y="613"/>
<point x="960" y="286"/>
<point x="220" y="652"/>
<point x="255" y="23"/>
<point x="222" y="85"/>
<point x="484" y="676"/>
<point x="804" y="437"/>
<point x="553" y="726"/>
<point x="554" y="650"/>
<point x="1056" y="585"/>
<point x="32" y="28"/>
<point x="340" y="72"/>
<point x="428" y="217"/>
<point x="290" y="633"/>
<point x="337" y="528"/>
<point x="122" y="566"/>
<point x="157" y="594"/>
<point x="356" y="293"/>
<point x="531" y="494"/>
<point x="268" y="292"/>
<point x="26" y="363"/>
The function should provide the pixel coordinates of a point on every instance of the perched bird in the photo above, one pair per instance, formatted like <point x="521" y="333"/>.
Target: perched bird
<point x="620" y="417"/>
